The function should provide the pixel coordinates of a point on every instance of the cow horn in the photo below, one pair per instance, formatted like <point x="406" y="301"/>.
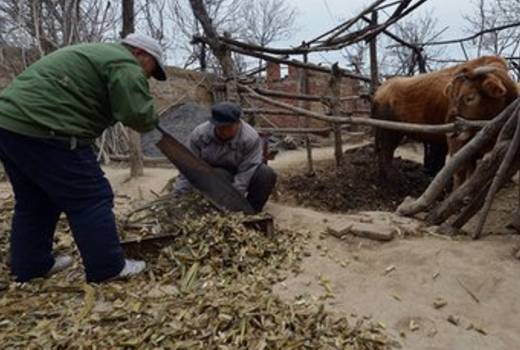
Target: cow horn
<point x="483" y="70"/>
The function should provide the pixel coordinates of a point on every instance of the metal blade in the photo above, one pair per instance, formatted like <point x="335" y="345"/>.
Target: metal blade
<point x="217" y="189"/>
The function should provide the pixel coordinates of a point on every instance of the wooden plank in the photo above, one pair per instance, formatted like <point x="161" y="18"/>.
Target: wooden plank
<point x="152" y="245"/>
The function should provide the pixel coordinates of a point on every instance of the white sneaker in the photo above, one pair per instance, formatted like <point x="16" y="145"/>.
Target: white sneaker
<point x="131" y="268"/>
<point x="61" y="262"/>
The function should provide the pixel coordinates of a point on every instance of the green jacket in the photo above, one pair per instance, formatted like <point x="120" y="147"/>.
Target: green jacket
<point x="79" y="91"/>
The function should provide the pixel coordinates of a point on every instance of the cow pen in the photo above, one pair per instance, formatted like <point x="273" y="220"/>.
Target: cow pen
<point x="246" y="90"/>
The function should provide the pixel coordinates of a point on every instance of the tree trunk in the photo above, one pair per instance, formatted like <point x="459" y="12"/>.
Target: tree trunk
<point x="219" y="50"/>
<point x="134" y="138"/>
<point x="335" y="89"/>
<point x="374" y="71"/>
<point x="304" y="90"/>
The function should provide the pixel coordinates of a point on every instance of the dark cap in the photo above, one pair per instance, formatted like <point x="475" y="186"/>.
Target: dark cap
<point x="225" y="113"/>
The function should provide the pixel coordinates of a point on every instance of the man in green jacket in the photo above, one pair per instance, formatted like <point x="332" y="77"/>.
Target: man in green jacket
<point x="49" y="117"/>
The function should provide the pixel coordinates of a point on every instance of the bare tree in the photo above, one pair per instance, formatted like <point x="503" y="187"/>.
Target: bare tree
<point x="405" y="60"/>
<point x="224" y="15"/>
<point x="52" y="24"/>
<point x="357" y="54"/>
<point x="266" y="21"/>
<point x="396" y="58"/>
<point x="46" y="25"/>
<point x="490" y="14"/>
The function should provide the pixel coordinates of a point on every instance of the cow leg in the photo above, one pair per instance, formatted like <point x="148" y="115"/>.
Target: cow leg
<point x="427" y="157"/>
<point x="455" y="143"/>
<point x="386" y="142"/>
<point x="463" y="174"/>
<point x="434" y="157"/>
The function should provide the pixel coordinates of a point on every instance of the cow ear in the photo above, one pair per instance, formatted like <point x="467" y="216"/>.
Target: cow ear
<point x="448" y="89"/>
<point x="494" y="87"/>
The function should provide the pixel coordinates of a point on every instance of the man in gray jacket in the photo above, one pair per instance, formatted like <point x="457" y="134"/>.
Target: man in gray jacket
<point x="233" y="147"/>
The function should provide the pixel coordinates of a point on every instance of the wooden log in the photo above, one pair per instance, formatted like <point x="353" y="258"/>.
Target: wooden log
<point x="395" y="37"/>
<point x="304" y="97"/>
<point x="500" y="177"/>
<point x="134" y="138"/>
<point x="334" y="105"/>
<point x="285" y="95"/>
<point x="370" y="231"/>
<point x="491" y="174"/>
<point x="338" y="145"/>
<point x="306" y="104"/>
<point x="468" y="152"/>
<point x="317" y="131"/>
<point x="289" y="96"/>
<point x="136" y="154"/>
<point x="347" y="24"/>
<point x="456" y="199"/>
<point x="310" y="162"/>
<point x="334" y="33"/>
<point x="374" y="71"/>
<point x="368" y="33"/>
<point x="295" y="63"/>
<point x="476" y="204"/>
<point x="469" y="211"/>
<point x="303" y="131"/>
<point x="269" y="111"/>
<point x="457" y="126"/>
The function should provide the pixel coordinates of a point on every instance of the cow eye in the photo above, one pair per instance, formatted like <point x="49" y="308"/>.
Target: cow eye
<point x="470" y="99"/>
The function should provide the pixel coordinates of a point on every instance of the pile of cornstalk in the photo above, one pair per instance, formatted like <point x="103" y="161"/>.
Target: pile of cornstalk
<point x="210" y="289"/>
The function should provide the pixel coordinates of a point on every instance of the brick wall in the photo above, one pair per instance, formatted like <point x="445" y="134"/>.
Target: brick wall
<point x="182" y="86"/>
<point x="318" y="85"/>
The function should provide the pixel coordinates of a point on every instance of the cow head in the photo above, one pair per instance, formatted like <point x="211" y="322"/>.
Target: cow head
<point x="479" y="93"/>
<point x="476" y="93"/>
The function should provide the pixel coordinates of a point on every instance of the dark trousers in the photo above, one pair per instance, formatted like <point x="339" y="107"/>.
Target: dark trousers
<point x="49" y="178"/>
<point x="260" y="187"/>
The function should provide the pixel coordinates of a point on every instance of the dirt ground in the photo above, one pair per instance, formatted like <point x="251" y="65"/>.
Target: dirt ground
<point x="354" y="186"/>
<point x="398" y="282"/>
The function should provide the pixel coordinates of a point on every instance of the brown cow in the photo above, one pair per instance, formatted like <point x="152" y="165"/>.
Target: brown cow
<point x="418" y="99"/>
<point x="476" y="94"/>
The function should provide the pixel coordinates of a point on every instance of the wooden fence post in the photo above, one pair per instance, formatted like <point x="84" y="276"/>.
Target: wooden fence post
<point x="304" y="89"/>
<point x="134" y="138"/>
<point x="335" y="104"/>
<point x="374" y="71"/>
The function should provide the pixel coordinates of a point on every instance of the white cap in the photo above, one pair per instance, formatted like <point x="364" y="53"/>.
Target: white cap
<point x="152" y="47"/>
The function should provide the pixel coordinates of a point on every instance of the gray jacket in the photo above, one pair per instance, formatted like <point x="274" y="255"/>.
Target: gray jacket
<point x="240" y="156"/>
